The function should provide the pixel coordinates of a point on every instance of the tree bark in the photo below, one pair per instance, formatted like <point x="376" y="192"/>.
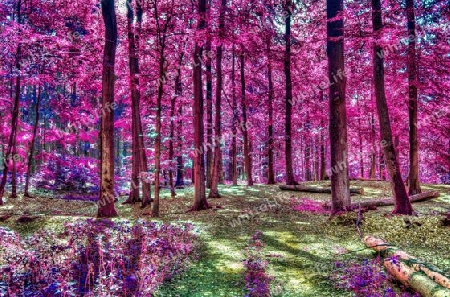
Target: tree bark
<point x="146" y="188"/>
<point x="134" y="195"/>
<point x="180" y="168"/>
<point x="33" y="142"/>
<point x="162" y="73"/>
<point x="200" y="201"/>
<point x="403" y="205"/>
<point x="270" y="145"/>
<point x="15" y="115"/>
<point x="340" y="195"/>
<point x="414" y="183"/>
<point x="290" y="179"/>
<point x="106" y="206"/>
<point x="373" y="157"/>
<point x="234" y="124"/>
<point x="209" y="110"/>
<point x="244" y="126"/>
<point x="422" y="277"/>
<point x="216" y="173"/>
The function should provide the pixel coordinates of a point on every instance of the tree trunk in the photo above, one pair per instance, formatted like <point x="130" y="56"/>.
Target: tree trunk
<point x="323" y="161"/>
<point x="414" y="184"/>
<point x="15" y="115"/>
<point x="271" y="174"/>
<point x="209" y="111"/>
<point x="216" y="173"/>
<point x="244" y="126"/>
<point x="234" y="124"/>
<point x="200" y="201"/>
<point x="178" y="88"/>
<point x="403" y="205"/>
<point x="290" y="179"/>
<point x="14" y="168"/>
<point x="33" y="141"/>
<point x="373" y="157"/>
<point x="162" y="74"/>
<point x="340" y="196"/>
<point x="134" y="195"/>
<point x="180" y="168"/>
<point x="106" y="206"/>
<point x="146" y="188"/>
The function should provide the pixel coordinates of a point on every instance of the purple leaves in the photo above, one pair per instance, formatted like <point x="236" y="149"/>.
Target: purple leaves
<point x="257" y="281"/>
<point x="94" y="257"/>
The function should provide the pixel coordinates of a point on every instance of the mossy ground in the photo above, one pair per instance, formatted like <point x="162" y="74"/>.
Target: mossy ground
<point x="300" y="247"/>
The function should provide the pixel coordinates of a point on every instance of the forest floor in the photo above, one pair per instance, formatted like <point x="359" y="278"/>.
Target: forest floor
<point x="302" y="248"/>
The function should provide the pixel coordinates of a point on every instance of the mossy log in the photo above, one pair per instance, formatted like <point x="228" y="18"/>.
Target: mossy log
<point x="310" y="189"/>
<point x="373" y="204"/>
<point x="421" y="277"/>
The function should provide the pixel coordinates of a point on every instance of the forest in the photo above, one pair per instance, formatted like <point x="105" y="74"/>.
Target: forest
<point x="252" y="148"/>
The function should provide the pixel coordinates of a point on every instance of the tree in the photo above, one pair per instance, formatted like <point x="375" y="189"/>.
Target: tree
<point x="200" y="202"/>
<point x="106" y="200"/>
<point x="134" y="195"/>
<point x="402" y="203"/>
<point x="15" y="114"/>
<point x="414" y="184"/>
<point x="217" y="168"/>
<point x="32" y="144"/>
<point x="340" y="193"/>
<point x="290" y="179"/>
<point x="244" y="125"/>
<point x="270" y="144"/>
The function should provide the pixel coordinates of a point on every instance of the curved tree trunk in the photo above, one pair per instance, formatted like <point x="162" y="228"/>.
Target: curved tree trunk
<point x="402" y="205"/>
<point x="106" y="206"/>
<point x="340" y="194"/>
<point x="414" y="183"/>
<point x="33" y="142"/>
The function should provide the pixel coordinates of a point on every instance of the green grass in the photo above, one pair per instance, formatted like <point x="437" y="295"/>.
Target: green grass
<point x="301" y="248"/>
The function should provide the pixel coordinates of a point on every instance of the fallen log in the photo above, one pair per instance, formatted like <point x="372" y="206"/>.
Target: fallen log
<point x="423" y="278"/>
<point x="310" y="189"/>
<point x="373" y="204"/>
<point x="365" y="179"/>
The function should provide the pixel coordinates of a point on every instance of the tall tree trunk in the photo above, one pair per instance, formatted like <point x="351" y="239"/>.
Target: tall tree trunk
<point x="209" y="109"/>
<point x="146" y="187"/>
<point x="162" y="73"/>
<point x="323" y="161"/>
<point x="217" y="168"/>
<point x="340" y="194"/>
<point x="290" y="179"/>
<point x="180" y="167"/>
<point x="414" y="183"/>
<point x="134" y="195"/>
<point x="106" y="206"/>
<point x="178" y="88"/>
<point x="244" y="126"/>
<point x="361" y="155"/>
<point x="33" y="141"/>
<point x="14" y="169"/>
<point x="271" y="174"/>
<point x="200" y="201"/>
<point x="373" y="158"/>
<point x="402" y="203"/>
<point x="234" y="124"/>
